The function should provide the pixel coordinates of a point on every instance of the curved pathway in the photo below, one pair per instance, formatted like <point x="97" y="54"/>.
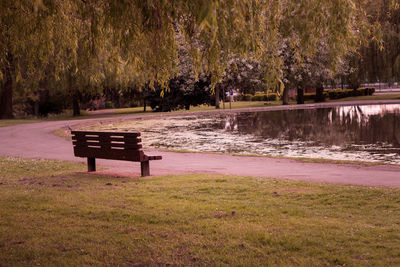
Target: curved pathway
<point x="37" y="140"/>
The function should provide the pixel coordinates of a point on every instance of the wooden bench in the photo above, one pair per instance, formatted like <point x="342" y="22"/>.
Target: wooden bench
<point x="111" y="145"/>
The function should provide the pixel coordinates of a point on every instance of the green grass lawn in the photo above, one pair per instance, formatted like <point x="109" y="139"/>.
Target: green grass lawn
<point x="67" y="115"/>
<point x="4" y="123"/>
<point x="52" y="213"/>
<point x="234" y="105"/>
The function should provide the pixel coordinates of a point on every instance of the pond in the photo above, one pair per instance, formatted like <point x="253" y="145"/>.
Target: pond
<point x="364" y="133"/>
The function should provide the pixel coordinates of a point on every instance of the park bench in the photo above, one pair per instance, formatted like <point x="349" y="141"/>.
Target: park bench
<point x="111" y="145"/>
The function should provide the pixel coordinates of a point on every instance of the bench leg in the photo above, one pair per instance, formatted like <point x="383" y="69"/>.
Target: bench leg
<point x="145" y="168"/>
<point x="91" y="164"/>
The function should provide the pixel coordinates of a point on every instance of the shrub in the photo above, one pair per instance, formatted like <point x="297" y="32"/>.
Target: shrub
<point x="262" y="97"/>
<point x="247" y="97"/>
<point x="270" y="97"/>
<point x="257" y="97"/>
<point x="309" y="96"/>
<point x="244" y="97"/>
<point x="108" y="104"/>
<point x="343" y="93"/>
<point x="134" y="104"/>
<point x="367" y="90"/>
<point x="332" y="93"/>
<point x="349" y="92"/>
<point x="363" y="91"/>
<point x="238" y="98"/>
<point x="339" y="93"/>
<point x="312" y="96"/>
<point x="370" y="90"/>
<point x="180" y="97"/>
<point x="51" y="103"/>
<point x="46" y="103"/>
<point x="358" y="92"/>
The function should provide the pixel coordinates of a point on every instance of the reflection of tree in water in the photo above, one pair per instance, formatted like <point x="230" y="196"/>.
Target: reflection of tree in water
<point x="231" y="123"/>
<point x="328" y="126"/>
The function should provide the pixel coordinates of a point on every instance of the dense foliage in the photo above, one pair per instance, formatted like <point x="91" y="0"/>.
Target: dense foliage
<point x="180" y="96"/>
<point x="376" y="61"/>
<point x="81" y="47"/>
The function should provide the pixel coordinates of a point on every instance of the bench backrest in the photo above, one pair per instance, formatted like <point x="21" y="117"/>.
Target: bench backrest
<point x="108" y="145"/>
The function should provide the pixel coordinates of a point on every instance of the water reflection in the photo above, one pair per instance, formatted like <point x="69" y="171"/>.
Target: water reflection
<point x="368" y="133"/>
<point x="341" y="126"/>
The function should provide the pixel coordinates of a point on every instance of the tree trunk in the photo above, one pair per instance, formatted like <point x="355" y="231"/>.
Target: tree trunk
<point x="36" y="104"/>
<point x="319" y="97"/>
<point x="74" y="92"/>
<point x="217" y="97"/>
<point x="116" y="98"/>
<point x="300" y="95"/>
<point x="36" y="107"/>
<point x="6" y="92"/>
<point x="75" y="104"/>
<point x="6" y="99"/>
<point x="144" y="101"/>
<point x="285" y="96"/>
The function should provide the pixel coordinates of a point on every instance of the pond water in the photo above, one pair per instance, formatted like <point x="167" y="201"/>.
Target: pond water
<point x="365" y="133"/>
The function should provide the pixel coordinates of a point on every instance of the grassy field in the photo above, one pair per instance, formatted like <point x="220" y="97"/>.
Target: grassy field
<point x="67" y="115"/>
<point x="53" y="214"/>
<point x="4" y="123"/>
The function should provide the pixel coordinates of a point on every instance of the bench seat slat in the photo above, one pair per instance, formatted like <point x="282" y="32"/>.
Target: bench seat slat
<point x="154" y="157"/>
<point x="118" y="154"/>
<point x="87" y="143"/>
<point x="106" y="138"/>
<point x="128" y="146"/>
<point x="99" y="133"/>
<point x="107" y="145"/>
<point x="131" y="140"/>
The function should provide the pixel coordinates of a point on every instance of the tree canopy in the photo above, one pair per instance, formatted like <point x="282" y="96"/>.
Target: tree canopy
<point x="81" y="45"/>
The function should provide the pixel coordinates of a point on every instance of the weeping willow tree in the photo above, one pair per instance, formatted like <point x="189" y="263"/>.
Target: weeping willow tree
<point x="379" y="61"/>
<point x="83" y="43"/>
<point x="41" y="42"/>
<point x="26" y="34"/>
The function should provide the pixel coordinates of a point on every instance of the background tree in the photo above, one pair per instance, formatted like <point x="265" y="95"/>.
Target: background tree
<point x="27" y="31"/>
<point x="245" y="75"/>
<point x="310" y="75"/>
<point x="377" y="59"/>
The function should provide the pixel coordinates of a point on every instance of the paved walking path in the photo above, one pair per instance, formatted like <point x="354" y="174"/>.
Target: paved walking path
<point x="37" y="140"/>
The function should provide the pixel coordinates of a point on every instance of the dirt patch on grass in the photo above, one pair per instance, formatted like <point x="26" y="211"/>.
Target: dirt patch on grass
<point x="52" y="181"/>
